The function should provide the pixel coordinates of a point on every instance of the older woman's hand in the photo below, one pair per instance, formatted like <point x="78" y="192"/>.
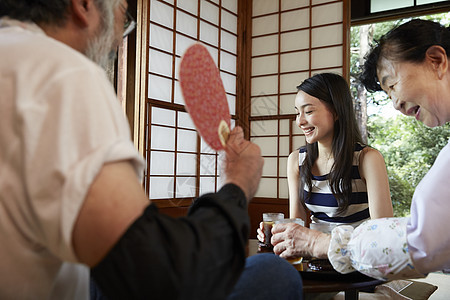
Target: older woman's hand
<point x="293" y="240"/>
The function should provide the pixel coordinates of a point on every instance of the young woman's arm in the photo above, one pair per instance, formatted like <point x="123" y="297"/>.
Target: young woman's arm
<point x="296" y="209"/>
<point x="373" y="171"/>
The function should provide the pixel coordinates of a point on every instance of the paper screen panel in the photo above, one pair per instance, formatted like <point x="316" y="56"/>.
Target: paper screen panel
<point x="161" y="187"/>
<point x="163" y="163"/>
<point x="163" y="138"/>
<point x="326" y="57"/>
<point x="270" y="167"/>
<point x="265" y="25"/>
<point x="268" y="145"/>
<point x="261" y="7"/>
<point x="186" y="164"/>
<point x="187" y="140"/>
<point x="178" y="157"/>
<point x="207" y="185"/>
<point x="267" y="188"/>
<point x="185" y="187"/>
<point x="264" y="106"/>
<point x="309" y="40"/>
<point x="283" y="188"/>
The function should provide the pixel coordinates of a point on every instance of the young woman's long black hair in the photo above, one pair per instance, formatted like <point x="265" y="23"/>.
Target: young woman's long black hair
<point x="333" y="91"/>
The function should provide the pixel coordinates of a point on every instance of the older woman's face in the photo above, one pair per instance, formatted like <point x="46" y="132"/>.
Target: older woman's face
<point x="414" y="89"/>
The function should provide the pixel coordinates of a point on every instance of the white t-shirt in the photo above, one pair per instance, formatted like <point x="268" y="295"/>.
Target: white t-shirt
<point x="60" y="121"/>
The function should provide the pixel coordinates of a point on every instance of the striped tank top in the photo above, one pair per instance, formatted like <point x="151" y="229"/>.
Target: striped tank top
<point x="323" y="205"/>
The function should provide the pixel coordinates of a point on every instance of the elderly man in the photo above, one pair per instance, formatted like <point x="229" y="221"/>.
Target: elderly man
<point x="71" y="200"/>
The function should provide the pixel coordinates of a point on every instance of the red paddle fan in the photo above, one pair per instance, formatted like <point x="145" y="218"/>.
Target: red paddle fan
<point x="204" y="96"/>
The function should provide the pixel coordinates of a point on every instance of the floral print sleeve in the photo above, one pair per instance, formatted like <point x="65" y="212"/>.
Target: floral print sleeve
<point x="377" y="248"/>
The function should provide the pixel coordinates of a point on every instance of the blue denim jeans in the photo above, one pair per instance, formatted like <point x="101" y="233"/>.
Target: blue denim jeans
<point x="267" y="276"/>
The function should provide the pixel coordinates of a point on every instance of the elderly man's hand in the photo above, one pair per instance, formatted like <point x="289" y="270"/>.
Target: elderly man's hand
<point x="293" y="240"/>
<point x="243" y="163"/>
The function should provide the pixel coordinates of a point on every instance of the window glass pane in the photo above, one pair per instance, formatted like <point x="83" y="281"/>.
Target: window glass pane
<point x="186" y="24"/>
<point x="163" y="116"/>
<point x="382" y="5"/>
<point x="186" y="164"/>
<point x="160" y="63"/>
<point x="161" y="38"/>
<point x="159" y="88"/>
<point x="161" y="187"/>
<point x="163" y="138"/>
<point x="209" y="12"/>
<point x="421" y="2"/>
<point x="161" y="13"/>
<point x="187" y="140"/>
<point x="162" y="163"/>
<point x="185" y="187"/>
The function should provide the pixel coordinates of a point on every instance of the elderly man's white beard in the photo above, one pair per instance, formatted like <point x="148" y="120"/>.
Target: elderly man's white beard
<point x="102" y="48"/>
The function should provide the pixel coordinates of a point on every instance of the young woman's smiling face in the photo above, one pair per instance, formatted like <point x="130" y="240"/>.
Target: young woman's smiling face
<point x="314" y="118"/>
<point x="414" y="89"/>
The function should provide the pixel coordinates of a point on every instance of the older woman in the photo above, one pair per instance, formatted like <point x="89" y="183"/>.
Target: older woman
<point x="411" y="64"/>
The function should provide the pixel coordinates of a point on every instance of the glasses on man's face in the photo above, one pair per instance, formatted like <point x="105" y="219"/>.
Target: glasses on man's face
<point x="129" y="24"/>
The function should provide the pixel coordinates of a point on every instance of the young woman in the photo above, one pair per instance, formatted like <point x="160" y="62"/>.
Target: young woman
<point x="411" y="64"/>
<point x="335" y="178"/>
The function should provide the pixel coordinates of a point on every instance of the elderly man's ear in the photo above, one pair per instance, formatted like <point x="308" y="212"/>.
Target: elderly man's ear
<point x="83" y="11"/>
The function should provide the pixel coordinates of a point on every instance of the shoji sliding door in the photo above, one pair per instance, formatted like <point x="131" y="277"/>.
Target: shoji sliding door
<point x="180" y="165"/>
<point x="290" y="41"/>
<point x="264" y="49"/>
